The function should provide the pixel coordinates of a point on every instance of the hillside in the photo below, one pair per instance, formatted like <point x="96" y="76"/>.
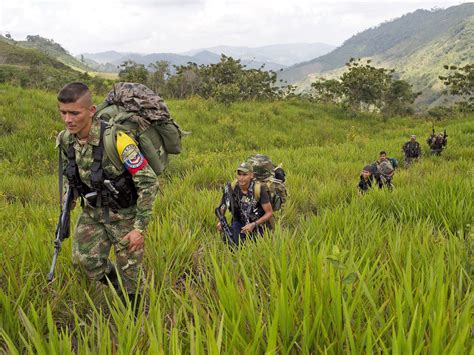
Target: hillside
<point x="386" y="272"/>
<point x="416" y="45"/>
<point x="53" y="50"/>
<point x="29" y="67"/>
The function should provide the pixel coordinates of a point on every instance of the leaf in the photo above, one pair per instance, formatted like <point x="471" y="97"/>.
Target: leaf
<point x="350" y="278"/>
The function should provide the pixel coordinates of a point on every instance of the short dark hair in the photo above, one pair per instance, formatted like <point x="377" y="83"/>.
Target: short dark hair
<point x="72" y="92"/>
<point x="383" y="152"/>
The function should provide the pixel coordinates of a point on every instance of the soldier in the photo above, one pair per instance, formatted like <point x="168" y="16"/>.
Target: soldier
<point x="411" y="150"/>
<point x="384" y="170"/>
<point x="249" y="204"/>
<point x="437" y="142"/>
<point x="366" y="179"/>
<point x="116" y="204"/>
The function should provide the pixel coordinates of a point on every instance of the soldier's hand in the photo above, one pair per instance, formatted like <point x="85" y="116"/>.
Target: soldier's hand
<point x="248" y="228"/>
<point x="136" y="240"/>
<point x="219" y="227"/>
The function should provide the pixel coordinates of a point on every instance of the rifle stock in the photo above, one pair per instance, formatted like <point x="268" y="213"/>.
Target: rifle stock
<point x="62" y="229"/>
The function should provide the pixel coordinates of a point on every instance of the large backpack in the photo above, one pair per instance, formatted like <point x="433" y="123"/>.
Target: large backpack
<point x="272" y="177"/>
<point x="136" y="109"/>
<point x="385" y="167"/>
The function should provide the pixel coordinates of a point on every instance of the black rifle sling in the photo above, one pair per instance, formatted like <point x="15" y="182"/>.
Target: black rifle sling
<point x="97" y="174"/>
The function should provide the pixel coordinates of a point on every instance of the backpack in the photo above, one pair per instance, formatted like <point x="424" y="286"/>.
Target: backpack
<point x="385" y="167"/>
<point x="272" y="177"/>
<point x="394" y="162"/>
<point x="137" y="110"/>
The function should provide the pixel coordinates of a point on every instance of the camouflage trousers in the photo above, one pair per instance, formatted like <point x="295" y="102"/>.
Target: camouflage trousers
<point x="93" y="239"/>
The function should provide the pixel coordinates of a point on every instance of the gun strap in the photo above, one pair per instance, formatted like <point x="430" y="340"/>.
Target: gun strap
<point x="60" y="177"/>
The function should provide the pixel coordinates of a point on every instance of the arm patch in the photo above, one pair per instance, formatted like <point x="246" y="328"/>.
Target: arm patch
<point x="131" y="157"/>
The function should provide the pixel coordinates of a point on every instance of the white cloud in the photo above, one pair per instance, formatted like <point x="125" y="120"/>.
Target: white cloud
<point x="178" y="25"/>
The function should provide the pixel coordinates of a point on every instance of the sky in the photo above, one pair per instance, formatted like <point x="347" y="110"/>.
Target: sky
<point x="152" y="26"/>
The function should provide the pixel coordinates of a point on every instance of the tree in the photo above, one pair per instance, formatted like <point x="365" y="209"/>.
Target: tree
<point x="398" y="98"/>
<point x="364" y="85"/>
<point x="160" y="72"/>
<point x="460" y="82"/>
<point x="133" y="72"/>
<point x="327" y="91"/>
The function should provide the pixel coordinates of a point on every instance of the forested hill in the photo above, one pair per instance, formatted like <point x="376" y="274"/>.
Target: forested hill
<point x="427" y="38"/>
<point x="52" y="49"/>
<point x="30" y="67"/>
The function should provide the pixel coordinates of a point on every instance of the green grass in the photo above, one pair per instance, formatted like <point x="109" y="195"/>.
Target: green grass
<point x="343" y="273"/>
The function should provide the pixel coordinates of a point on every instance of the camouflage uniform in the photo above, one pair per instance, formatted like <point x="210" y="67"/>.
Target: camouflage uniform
<point x="94" y="237"/>
<point x="437" y="143"/>
<point x="411" y="150"/>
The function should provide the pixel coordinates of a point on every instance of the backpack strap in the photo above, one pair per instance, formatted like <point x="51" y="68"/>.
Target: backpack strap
<point x="110" y="146"/>
<point x="97" y="174"/>
<point x="257" y="190"/>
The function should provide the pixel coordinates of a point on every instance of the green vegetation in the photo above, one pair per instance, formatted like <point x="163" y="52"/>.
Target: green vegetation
<point x="460" y="82"/>
<point x="380" y="273"/>
<point x="31" y="68"/>
<point x="227" y="81"/>
<point x="416" y="45"/>
<point x="366" y="88"/>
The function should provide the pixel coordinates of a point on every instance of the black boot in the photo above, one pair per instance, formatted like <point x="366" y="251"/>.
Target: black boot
<point x="112" y="277"/>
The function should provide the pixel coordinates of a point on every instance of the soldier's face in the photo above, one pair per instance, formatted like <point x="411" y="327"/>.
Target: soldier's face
<point x="244" y="178"/>
<point x="383" y="157"/>
<point x="365" y="174"/>
<point x="77" y="116"/>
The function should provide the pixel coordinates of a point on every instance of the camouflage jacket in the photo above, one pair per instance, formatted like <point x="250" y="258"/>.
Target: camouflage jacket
<point x="144" y="179"/>
<point x="412" y="149"/>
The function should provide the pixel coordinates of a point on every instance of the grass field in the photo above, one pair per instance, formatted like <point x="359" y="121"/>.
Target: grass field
<point x="343" y="273"/>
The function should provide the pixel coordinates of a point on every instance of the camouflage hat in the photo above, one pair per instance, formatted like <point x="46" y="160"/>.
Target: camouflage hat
<point x="413" y="136"/>
<point x="245" y="167"/>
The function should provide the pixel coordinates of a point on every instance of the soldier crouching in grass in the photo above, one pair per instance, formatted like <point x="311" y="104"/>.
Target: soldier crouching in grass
<point x="249" y="203"/>
<point x="116" y="204"/>
<point x="366" y="179"/>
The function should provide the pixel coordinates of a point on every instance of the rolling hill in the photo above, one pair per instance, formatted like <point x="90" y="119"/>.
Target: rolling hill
<point x="416" y="45"/>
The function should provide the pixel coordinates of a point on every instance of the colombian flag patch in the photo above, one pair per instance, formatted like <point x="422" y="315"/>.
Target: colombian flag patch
<point x="131" y="157"/>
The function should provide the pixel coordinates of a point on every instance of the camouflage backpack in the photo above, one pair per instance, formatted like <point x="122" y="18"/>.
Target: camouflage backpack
<point x="385" y="167"/>
<point x="137" y="110"/>
<point x="270" y="176"/>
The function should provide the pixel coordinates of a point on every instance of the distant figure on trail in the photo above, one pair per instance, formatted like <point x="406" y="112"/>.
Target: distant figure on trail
<point x="116" y="203"/>
<point x="437" y="142"/>
<point x="384" y="170"/>
<point x="249" y="202"/>
<point x="366" y="179"/>
<point x="411" y="150"/>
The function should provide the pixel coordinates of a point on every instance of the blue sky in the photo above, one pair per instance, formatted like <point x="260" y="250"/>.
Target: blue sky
<point x="148" y="26"/>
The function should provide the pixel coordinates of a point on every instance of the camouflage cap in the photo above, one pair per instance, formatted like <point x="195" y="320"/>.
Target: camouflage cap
<point x="245" y="167"/>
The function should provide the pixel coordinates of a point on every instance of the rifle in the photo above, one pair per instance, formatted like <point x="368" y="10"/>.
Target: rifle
<point x="225" y="226"/>
<point x="444" y="134"/>
<point x="228" y="204"/>
<point x="62" y="229"/>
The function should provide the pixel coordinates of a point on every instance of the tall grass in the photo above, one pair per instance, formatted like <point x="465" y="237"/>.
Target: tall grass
<point x="379" y="273"/>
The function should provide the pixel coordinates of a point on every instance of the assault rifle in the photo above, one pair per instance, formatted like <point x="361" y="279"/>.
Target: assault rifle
<point x="228" y="203"/>
<point x="225" y="226"/>
<point x="62" y="229"/>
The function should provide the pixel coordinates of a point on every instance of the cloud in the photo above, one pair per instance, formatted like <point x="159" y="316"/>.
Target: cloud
<point x="171" y="26"/>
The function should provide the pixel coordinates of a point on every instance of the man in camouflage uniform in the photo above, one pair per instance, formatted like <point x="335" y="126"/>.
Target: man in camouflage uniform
<point x="109" y="217"/>
<point x="411" y="150"/>
<point x="437" y="142"/>
<point x="384" y="170"/>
